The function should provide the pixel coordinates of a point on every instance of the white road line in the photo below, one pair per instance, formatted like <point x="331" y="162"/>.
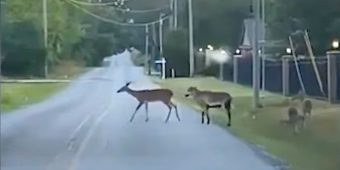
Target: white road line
<point x="83" y="145"/>
<point x="72" y="137"/>
<point x="71" y="141"/>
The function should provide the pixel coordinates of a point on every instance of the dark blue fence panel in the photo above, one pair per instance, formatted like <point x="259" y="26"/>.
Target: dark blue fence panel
<point x="309" y="76"/>
<point x="294" y="83"/>
<point x="228" y="72"/>
<point x="273" y="76"/>
<point x="245" y="71"/>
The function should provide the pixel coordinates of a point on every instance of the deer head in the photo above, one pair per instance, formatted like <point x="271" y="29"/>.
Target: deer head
<point x="192" y="91"/>
<point x="124" y="88"/>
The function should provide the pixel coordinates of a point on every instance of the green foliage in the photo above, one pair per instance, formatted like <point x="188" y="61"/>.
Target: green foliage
<point x="24" y="51"/>
<point x="219" y="22"/>
<point x="320" y="18"/>
<point x="71" y="34"/>
<point x="176" y="51"/>
<point x="17" y="95"/>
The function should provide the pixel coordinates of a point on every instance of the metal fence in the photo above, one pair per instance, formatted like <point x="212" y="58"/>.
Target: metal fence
<point x="274" y="77"/>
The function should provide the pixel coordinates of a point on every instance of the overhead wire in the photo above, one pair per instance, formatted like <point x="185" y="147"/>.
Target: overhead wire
<point x="120" y="9"/>
<point x="113" y="21"/>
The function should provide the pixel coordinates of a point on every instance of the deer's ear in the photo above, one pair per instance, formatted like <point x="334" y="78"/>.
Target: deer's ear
<point x="127" y="84"/>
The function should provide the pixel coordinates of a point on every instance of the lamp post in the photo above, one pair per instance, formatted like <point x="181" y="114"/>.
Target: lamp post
<point x="288" y="51"/>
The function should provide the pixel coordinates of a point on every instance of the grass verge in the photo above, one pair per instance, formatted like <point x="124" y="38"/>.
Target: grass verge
<point x="315" y="148"/>
<point x="14" y="95"/>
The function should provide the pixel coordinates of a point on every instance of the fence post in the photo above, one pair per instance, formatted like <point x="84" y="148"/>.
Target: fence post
<point x="332" y="57"/>
<point x="285" y="75"/>
<point x="235" y="68"/>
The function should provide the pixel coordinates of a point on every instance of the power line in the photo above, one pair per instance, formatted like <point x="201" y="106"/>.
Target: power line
<point x="120" y="9"/>
<point x="113" y="21"/>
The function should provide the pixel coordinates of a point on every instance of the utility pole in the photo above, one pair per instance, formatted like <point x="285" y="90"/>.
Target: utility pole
<point x="161" y="35"/>
<point x="147" y="58"/>
<point x="191" y="39"/>
<point x="175" y="14"/>
<point x="45" y="25"/>
<point x="154" y="43"/>
<point x="256" y="63"/>
<point x="263" y="53"/>
<point x="1" y="26"/>
<point x="171" y="20"/>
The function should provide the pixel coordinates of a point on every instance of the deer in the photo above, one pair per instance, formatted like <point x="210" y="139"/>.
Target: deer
<point x="294" y="119"/>
<point x="209" y="99"/>
<point x="147" y="96"/>
<point x="307" y="108"/>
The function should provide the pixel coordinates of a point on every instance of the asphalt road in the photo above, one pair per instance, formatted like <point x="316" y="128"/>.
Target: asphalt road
<point x="86" y="127"/>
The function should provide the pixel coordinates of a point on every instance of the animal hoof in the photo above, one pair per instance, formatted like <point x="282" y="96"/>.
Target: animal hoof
<point x="228" y="124"/>
<point x="146" y="120"/>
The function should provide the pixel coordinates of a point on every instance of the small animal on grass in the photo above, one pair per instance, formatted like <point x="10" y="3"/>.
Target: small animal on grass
<point x="294" y="119"/>
<point x="209" y="99"/>
<point x="147" y="96"/>
<point x="307" y="108"/>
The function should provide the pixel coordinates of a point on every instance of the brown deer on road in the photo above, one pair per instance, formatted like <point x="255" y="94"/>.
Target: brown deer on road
<point x="146" y="96"/>
<point x="209" y="99"/>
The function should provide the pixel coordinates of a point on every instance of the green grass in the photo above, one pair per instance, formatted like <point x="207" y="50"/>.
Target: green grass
<point x="315" y="148"/>
<point x="17" y="95"/>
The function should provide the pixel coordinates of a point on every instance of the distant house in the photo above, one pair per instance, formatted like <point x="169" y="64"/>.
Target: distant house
<point x="248" y="36"/>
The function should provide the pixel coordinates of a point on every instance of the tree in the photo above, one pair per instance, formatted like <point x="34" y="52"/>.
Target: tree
<point x="21" y="55"/>
<point x="176" y="51"/>
<point x="320" y="18"/>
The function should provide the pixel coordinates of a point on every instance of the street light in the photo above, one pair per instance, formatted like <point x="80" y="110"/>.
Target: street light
<point x="335" y="44"/>
<point x="200" y="50"/>
<point x="238" y="52"/>
<point x="131" y="21"/>
<point x="210" y="47"/>
<point x="288" y="50"/>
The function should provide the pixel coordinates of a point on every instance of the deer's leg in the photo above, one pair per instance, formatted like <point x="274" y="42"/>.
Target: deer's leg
<point x="202" y="117"/>
<point x="227" y="106"/>
<point x="296" y="128"/>
<point x="146" y="111"/>
<point x="167" y="103"/>
<point x="169" y="114"/>
<point x="134" y="113"/>
<point x="177" y="115"/>
<point x="207" y="114"/>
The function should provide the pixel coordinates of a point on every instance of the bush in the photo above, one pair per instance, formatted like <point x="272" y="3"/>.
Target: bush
<point x="137" y="58"/>
<point x="176" y="52"/>
<point x="23" y="50"/>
